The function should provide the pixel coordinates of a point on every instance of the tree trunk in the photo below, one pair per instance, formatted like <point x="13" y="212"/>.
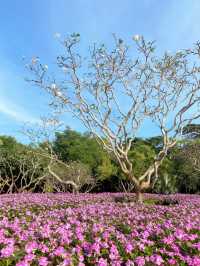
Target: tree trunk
<point x="139" y="196"/>
<point x="138" y="188"/>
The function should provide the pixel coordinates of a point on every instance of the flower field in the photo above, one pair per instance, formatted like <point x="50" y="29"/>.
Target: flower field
<point x="96" y="229"/>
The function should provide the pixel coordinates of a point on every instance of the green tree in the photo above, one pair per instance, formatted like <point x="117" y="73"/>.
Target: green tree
<point x="167" y="181"/>
<point x="74" y="146"/>
<point x="187" y="164"/>
<point x="141" y="155"/>
<point x="107" y="168"/>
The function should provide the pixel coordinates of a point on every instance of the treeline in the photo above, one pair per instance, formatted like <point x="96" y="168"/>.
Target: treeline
<point x="76" y="162"/>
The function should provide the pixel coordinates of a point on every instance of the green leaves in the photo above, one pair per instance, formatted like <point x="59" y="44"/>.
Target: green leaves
<point x="124" y="228"/>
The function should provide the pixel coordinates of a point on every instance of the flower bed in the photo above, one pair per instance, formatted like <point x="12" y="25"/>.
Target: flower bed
<point x="95" y="229"/>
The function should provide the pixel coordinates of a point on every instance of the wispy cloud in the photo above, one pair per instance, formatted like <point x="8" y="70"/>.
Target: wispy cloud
<point x="16" y="112"/>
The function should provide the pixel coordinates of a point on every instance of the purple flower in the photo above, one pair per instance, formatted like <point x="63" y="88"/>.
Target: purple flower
<point x="7" y="251"/>
<point x="156" y="259"/>
<point x="197" y="246"/>
<point x="130" y="263"/>
<point x="96" y="248"/>
<point x="168" y="240"/>
<point x="102" y="262"/>
<point x="172" y="262"/>
<point x="140" y="261"/>
<point x="81" y="264"/>
<point x="29" y="257"/>
<point x="60" y="251"/>
<point x="22" y="263"/>
<point x="67" y="262"/>
<point x="129" y="248"/>
<point x="31" y="246"/>
<point x="195" y="261"/>
<point x="43" y="261"/>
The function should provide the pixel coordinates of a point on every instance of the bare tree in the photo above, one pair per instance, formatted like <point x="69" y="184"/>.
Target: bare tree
<point x="126" y="186"/>
<point x="61" y="176"/>
<point x="73" y="174"/>
<point x="20" y="172"/>
<point x="114" y="94"/>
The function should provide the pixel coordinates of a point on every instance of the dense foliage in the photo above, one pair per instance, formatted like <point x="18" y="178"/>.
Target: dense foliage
<point x="88" y="165"/>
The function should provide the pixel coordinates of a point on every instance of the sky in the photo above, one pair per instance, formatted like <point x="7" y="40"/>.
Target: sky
<point x="27" y="29"/>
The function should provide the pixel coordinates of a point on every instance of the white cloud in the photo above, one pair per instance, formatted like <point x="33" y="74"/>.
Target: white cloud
<point x="16" y="112"/>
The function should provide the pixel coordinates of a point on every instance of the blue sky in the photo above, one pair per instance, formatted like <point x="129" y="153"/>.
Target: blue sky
<point x="27" y="29"/>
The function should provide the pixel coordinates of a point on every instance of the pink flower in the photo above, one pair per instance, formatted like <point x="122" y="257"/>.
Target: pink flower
<point x="195" y="261"/>
<point x="43" y="261"/>
<point x="31" y="246"/>
<point x="81" y="264"/>
<point x="22" y="263"/>
<point x="67" y="262"/>
<point x="130" y="263"/>
<point x="156" y="259"/>
<point x="197" y="245"/>
<point x="106" y="235"/>
<point x="7" y="251"/>
<point x="80" y="236"/>
<point x="96" y="248"/>
<point x="129" y="248"/>
<point x="59" y="251"/>
<point x="114" y="250"/>
<point x="179" y="234"/>
<point x="172" y="262"/>
<point x="44" y="248"/>
<point x="140" y="261"/>
<point x="102" y="262"/>
<point x="141" y="246"/>
<point x="81" y="258"/>
<point x="168" y="240"/>
<point x="145" y="234"/>
<point x="29" y="257"/>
